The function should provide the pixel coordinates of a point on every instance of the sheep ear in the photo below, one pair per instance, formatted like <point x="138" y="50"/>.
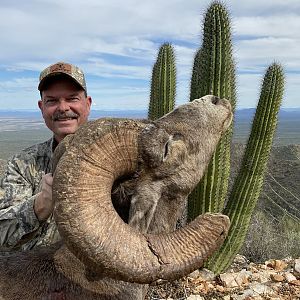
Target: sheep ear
<point x="152" y="145"/>
<point x="177" y="153"/>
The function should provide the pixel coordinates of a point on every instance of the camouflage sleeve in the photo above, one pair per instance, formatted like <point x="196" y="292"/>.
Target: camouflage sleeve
<point x="17" y="217"/>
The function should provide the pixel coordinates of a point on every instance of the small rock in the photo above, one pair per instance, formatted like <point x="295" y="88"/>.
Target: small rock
<point x="289" y="260"/>
<point x="261" y="289"/>
<point x="297" y="267"/>
<point x="194" y="274"/>
<point x="220" y="288"/>
<point x="278" y="265"/>
<point x="207" y="275"/>
<point x="290" y="277"/>
<point x="263" y="267"/>
<point x="239" y="262"/>
<point x="228" y="280"/>
<point x="277" y="277"/>
<point x="248" y="294"/>
<point x="261" y="277"/>
<point x="195" y="297"/>
<point x="210" y="286"/>
<point x="295" y="282"/>
<point x="202" y="287"/>
<point x="253" y="267"/>
<point x="243" y="277"/>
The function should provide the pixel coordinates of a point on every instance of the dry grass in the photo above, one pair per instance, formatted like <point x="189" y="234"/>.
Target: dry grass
<point x="272" y="238"/>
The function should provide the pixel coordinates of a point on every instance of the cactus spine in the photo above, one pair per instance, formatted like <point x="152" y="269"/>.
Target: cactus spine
<point x="248" y="183"/>
<point x="214" y="73"/>
<point x="163" y="83"/>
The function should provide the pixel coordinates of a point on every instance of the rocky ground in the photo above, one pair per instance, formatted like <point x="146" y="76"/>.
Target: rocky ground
<point x="273" y="280"/>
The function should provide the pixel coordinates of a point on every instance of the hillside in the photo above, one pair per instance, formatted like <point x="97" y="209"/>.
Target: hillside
<point x="281" y="186"/>
<point x="2" y="166"/>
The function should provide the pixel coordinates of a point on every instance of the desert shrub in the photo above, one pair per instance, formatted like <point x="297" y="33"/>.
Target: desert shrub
<point x="272" y="238"/>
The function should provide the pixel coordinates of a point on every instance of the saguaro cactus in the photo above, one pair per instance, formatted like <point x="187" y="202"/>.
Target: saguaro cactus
<point x="210" y="77"/>
<point x="248" y="183"/>
<point x="163" y="83"/>
<point x="214" y="73"/>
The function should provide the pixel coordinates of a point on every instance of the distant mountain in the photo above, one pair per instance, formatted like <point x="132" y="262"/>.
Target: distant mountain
<point x="21" y="128"/>
<point x="36" y="114"/>
<point x="245" y="113"/>
<point x="291" y="109"/>
<point x="287" y="129"/>
<point x="26" y="114"/>
<point x="131" y="114"/>
<point x="248" y="113"/>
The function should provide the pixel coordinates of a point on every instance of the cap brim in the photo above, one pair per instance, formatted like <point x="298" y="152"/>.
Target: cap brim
<point x="53" y="74"/>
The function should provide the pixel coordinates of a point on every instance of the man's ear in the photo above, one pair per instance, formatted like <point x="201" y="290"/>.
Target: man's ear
<point x="40" y="104"/>
<point x="89" y="101"/>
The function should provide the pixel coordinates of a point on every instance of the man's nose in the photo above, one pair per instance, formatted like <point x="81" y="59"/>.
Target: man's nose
<point x="63" y="105"/>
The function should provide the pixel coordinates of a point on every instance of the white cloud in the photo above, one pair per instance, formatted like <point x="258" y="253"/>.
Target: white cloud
<point x="255" y="54"/>
<point x="18" y="83"/>
<point x="119" y="40"/>
<point x="276" y="26"/>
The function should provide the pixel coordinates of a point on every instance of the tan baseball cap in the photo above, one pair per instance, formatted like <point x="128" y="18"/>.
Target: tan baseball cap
<point x="62" y="68"/>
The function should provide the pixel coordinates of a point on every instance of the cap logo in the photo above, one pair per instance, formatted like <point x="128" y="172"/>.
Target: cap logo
<point x="61" y="67"/>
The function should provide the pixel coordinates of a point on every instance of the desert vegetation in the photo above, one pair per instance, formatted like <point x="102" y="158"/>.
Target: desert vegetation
<point x="274" y="231"/>
<point x="271" y="237"/>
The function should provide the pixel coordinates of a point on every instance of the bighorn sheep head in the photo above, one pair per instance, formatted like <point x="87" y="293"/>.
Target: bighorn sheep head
<point x="174" y="151"/>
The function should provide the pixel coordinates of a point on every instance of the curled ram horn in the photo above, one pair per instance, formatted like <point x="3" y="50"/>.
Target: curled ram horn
<point x="103" y="151"/>
<point x="159" y="163"/>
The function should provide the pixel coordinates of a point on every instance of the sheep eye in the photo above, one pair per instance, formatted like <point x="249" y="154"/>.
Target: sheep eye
<point x="166" y="152"/>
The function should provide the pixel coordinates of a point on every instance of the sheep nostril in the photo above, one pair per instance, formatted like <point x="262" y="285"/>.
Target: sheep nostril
<point x="215" y="100"/>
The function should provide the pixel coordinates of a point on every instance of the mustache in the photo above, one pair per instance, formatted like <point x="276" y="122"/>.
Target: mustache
<point x="59" y="116"/>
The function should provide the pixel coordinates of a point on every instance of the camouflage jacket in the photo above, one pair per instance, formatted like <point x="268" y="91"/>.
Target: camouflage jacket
<point x="19" y="227"/>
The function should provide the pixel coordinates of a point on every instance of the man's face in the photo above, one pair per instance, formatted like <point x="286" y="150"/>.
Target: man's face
<point x="64" y="107"/>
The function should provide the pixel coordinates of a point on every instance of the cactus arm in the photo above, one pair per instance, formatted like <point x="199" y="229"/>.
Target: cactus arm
<point x="248" y="184"/>
<point x="214" y="73"/>
<point x="163" y="83"/>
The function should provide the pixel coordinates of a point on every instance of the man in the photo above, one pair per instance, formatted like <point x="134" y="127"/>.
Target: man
<point x="26" y="219"/>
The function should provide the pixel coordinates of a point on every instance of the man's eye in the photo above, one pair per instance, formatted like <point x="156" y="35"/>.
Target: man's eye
<point x="73" y="99"/>
<point x="50" y="101"/>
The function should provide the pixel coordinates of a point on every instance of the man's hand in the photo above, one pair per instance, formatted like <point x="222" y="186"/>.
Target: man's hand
<point x="44" y="204"/>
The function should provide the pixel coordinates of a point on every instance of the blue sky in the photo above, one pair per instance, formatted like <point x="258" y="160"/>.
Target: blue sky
<point x="116" y="43"/>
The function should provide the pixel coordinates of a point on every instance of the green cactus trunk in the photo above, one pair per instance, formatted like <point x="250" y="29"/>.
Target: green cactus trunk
<point x="248" y="183"/>
<point x="214" y="73"/>
<point x="163" y="83"/>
